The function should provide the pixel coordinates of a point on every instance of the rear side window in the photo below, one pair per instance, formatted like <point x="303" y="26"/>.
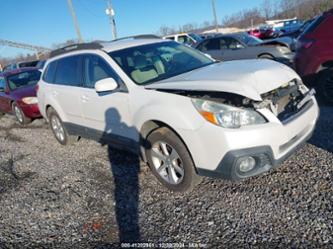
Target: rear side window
<point x="69" y="71"/>
<point x="95" y="69"/>
<point x="211" y="44"/>
<point x="50" y="72"/>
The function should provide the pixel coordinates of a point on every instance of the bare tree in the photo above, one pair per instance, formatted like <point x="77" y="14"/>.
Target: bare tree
<point x="267" y="9"/>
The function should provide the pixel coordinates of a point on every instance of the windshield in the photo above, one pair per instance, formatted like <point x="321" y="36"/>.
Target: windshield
<point x="250" y="40"/>
<point x="29" y="78"/>
<point x="150" y="63"/>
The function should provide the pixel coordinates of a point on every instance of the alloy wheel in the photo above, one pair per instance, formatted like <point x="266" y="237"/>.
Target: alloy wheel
<point x="167" y="162"/>
<point x="57" y="128"/>
<point x="18" y="114"/>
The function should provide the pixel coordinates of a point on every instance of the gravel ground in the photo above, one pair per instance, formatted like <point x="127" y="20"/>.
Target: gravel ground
<point x="70" y="197"/>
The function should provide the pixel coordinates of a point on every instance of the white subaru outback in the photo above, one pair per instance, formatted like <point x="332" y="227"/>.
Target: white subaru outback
<point x="187" y="115"/>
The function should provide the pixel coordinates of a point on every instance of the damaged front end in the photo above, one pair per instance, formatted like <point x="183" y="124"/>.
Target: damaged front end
<point x="288" y="101"/>
<point x="231" y="110"/>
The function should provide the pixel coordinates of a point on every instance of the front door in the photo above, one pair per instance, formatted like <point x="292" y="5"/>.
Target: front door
<point x="108" y="113"/>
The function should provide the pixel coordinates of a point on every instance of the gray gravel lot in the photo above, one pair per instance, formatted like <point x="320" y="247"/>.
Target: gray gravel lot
<point x="70" y="197"/>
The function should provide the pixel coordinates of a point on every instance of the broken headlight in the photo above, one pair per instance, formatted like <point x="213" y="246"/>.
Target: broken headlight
<point x="227" y="116"/>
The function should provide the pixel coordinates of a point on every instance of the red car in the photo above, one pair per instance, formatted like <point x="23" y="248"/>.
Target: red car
<point x="18" y="94"/>
<point x="261" y="33"/>
<point x="314" y="55"/>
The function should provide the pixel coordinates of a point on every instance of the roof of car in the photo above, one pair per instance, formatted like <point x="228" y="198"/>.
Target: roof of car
<point x="122" y="44"/>
<point x="16" y="71"/>
<point x="109" y="46"/>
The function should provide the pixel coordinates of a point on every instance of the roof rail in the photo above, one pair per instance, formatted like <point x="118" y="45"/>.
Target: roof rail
<point x="75" y="47"/>
<point x="145" y="36"/>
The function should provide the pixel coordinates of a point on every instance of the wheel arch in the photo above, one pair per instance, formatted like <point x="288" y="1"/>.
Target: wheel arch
<point x="265" y="54"/>
<point x="147" y="128"/>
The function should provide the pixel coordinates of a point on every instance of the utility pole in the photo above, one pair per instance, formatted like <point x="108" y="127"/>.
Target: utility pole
<point x="76" y="24"/>
<point x="110" y="12"/>
<point x="215" y="16"/>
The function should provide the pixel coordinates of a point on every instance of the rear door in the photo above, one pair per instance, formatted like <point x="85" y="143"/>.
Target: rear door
<point x="108" y="113"/>
<point x="66" y="89"/>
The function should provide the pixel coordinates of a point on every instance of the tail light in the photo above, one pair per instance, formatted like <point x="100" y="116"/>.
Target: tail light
<point x="304" y="43"/>
<point x="36" y="88"/>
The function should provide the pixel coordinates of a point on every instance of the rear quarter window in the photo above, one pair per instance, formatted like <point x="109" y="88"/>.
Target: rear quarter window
<point x="50" y="72"/>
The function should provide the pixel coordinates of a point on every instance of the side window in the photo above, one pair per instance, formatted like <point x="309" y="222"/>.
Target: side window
<point x="233" y="43"/>
<point x="69" y="71"/>
<point x="50" y="72"/>
<point x="95" y="69"/>
<point x="212" y="44"/>
<point x="2" y="83"/>
<point x="171" y="38"/>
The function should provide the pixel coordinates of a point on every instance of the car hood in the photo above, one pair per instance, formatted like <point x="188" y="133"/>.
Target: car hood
<point x="249" y="78"/>
<point x="28" y="91"/>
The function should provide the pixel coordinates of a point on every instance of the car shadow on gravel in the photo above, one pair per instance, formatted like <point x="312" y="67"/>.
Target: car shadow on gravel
<point x="323" y="136"/>
<point x="125" y="167"/>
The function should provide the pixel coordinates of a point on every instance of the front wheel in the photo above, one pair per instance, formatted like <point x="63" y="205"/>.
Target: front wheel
<point x="19" y="114"/>
<point x="58" y="128"/>
<point x="170" y="161"/>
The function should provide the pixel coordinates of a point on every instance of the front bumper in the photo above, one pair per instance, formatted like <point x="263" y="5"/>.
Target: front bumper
<point x="228" y="167"/>
<point x="216" y="151"/>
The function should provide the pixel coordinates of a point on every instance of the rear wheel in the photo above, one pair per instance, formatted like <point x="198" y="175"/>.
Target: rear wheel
<point x="326" y="86"/>
<point x="170" y="161"/>
<point x="19" y="114"/>
<point x="58" y="128"/>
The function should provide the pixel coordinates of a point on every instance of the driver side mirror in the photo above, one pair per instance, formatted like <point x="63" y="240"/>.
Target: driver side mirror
<point x="106" y="85"/>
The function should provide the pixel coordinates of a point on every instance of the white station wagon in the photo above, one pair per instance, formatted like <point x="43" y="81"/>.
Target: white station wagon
<point x="186" y="114"/>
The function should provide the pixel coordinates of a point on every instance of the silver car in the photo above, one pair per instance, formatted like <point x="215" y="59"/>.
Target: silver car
<point x="240" y="46"/>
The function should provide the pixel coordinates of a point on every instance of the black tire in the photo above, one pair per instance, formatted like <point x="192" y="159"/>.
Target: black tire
<point x="64" y="138"/>
<point x="190" y="178"/>
<point x="19" y="115"/>
<point x="266" y="56"/>
<point x="325" y="86"/>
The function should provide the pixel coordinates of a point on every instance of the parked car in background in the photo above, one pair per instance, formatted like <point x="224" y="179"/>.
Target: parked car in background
<point x="209" y="35"/>
<point x="18" y="65"/>
<point x="185" y="113"/>
<point x="314" y="55"/>
<point x="190" y="39"/>
<point x="40" y="65"/>
<point x="263" y="32"/>
<point x="287" y="28"/>
<point x="294" y="34"/>
<point x="18" y="94"/>
<point x="243" y="46"/>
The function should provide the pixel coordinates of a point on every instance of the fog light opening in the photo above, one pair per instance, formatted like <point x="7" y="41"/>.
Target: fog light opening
<point x="247" y="164"/>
